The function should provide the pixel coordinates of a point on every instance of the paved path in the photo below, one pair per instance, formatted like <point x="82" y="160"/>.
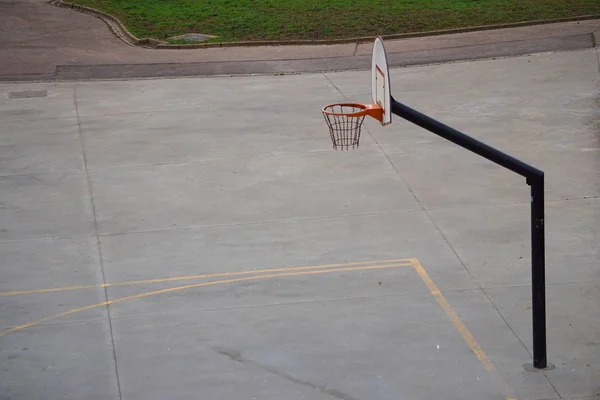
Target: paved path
<point x="151" y="233"/>
<point x="41" y="41"/>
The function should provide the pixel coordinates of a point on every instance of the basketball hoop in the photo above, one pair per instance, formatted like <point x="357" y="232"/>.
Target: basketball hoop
<point x="345" y="121"/>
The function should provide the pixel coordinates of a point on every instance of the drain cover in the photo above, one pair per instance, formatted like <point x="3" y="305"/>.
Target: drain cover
<point x="193" y="37"/>
<point x="28" y="94"/>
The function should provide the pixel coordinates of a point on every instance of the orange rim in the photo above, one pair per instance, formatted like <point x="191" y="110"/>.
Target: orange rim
<point x="372" y="110"/>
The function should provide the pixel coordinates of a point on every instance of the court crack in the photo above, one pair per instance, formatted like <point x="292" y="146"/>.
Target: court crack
<point x="237" y="357"/>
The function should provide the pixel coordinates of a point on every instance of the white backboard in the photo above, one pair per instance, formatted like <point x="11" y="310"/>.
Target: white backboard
<point x="380" y="89"/>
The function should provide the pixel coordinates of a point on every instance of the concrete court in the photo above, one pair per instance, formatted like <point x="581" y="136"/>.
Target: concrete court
<point x="117" y="182"/>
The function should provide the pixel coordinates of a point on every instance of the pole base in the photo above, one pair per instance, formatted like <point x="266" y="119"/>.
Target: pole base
<point x="530" y="368"/>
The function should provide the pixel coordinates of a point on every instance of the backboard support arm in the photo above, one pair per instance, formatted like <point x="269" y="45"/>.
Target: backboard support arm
<point x="535" y="179"/>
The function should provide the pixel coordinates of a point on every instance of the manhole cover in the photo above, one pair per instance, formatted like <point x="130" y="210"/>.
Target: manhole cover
<point x="28" y="94"/>
<point x="193" y="37"/>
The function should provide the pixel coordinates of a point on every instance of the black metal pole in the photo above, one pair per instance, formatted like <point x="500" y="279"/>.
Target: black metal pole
<point x="538" y="274"/>
<point x="464" y="141"/>
<point x="535" y="179"/>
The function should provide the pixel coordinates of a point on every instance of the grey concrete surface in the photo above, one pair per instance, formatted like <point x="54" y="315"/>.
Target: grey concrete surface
<point x="39" y="264"/>
<point x="306" y="242"/>
<point x="326" y="344"/>
<point x="45" y="205"/>
<point x="127" y="201"/>
<point x="64" y="361"/>
<point x="58" y="104"/>
<point x="53" y="145"/>
<point x="569" y="309"/>
<point x="124" y="181"/>
<point x="570" y="226"/>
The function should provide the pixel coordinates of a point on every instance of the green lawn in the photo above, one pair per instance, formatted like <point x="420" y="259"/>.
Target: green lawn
<point x="235" y="20"/>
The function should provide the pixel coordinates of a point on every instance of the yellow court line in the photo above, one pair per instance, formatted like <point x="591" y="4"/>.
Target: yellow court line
<point x="194" y="277"/>
<point x="195" y="285"/>
<point x="460" y="326"/>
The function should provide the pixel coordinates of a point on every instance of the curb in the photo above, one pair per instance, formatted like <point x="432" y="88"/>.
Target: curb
<point x="123" y="33"/>
<point x="114" y="24"/>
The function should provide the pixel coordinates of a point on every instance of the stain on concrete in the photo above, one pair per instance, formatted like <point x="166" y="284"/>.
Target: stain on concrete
<point x="237" y="357"/>
<point x="27" y="94"/>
